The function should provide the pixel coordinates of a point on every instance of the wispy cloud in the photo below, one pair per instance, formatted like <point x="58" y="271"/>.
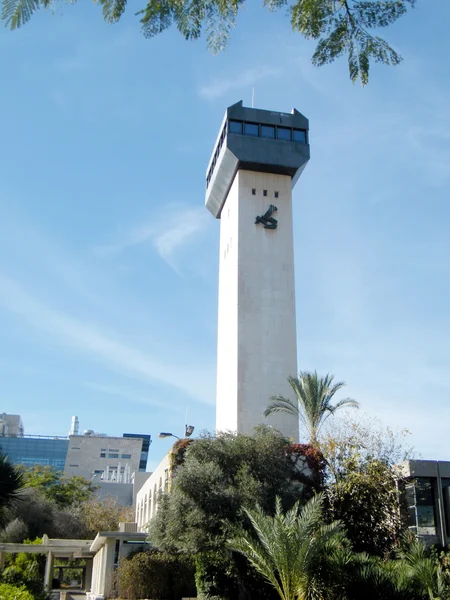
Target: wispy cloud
<point x="168" y="234"/>
<point x="129" y="395"/>
<point x="104" y="347"/>
<point x="219" y="86"/>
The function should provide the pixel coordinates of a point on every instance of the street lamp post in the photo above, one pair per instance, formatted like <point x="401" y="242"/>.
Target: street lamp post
<point x="188" y="431"/>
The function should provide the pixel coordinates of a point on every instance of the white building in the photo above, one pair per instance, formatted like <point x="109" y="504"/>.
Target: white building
<point x="11" y="425"/>
<point x="109" y="459"/>
<point x="147" y="496"/>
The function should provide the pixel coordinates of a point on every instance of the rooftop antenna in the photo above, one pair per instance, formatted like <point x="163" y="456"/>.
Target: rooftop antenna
<point x="253" y="97"/>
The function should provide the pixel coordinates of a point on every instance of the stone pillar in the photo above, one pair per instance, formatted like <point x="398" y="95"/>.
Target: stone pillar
<point x="48" y="572"/>
<point x="110" y="549"/>
<point x="88" y="574"/>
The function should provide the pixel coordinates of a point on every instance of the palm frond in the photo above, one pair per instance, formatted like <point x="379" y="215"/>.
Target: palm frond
<point x="287" y="548"/>
<point x="281" y="404"/>
<point x="313" y="405"/>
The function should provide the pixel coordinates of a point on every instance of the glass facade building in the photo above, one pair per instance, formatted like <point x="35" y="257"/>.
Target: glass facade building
<point x="31" y="450"/>
<point x="146" y="441"/>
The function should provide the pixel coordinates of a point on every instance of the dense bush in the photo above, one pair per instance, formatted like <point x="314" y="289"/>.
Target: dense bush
<point x="215" y="478"/>
<point x="11" y="592"/>
<point x="156" y="575"/>
<point x="24" y="570"/>
<point x="227" y="575"/>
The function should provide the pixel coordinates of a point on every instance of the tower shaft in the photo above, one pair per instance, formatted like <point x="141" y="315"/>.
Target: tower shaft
<point x="257" y="348"/>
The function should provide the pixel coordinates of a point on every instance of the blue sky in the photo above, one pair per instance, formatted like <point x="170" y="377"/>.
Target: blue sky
<point x="109" y="260"/>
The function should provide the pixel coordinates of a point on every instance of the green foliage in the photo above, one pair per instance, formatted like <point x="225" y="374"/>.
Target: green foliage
<point x="220" y="476"/>
<point x="313" y="403"/>
<point x="303" y="559"/>
<point x="288" y="548"/>
<point x="362" y="480"/>
<point x="12" y="592"/>
<point x="349" y="444"/>
<point x="339" y="26"/>
<point x="367" y="501"/>
<point x="11" y="482"/>
<point x="103" y="515"/>
<point x="26" y="571"/>
<point x="156" y="575"/>
<point x="62" y="490"/>
<point x="215" y="576"/>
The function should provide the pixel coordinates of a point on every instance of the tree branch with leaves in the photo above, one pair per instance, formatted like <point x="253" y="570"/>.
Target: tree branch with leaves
<point x="340" y="27"/>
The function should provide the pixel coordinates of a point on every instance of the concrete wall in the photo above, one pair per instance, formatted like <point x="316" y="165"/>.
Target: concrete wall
<point x="121" y="492"/>
<point x="257" y="346"/>
<point x="147" y="497"/>
<point x="84" y="454"/>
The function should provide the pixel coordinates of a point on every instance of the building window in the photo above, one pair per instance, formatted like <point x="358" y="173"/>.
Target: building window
<point x="125" y="456"/>
<point x="264" y="192"/>
<point x="253" y="192"/>
<point x="113" y="455"/>
<point x="300" y="136"/>
<point x="275" y="194"/>
<point x="73" y="448"/>
<point x="102" y="455"/>
<point x="73" y="465"/>
<point x="426" y="506"/>
<point x="268" y="131"/>
<point x="235" y="127"/>
<point x="284" y="133"/>
<point x="114" y="450"/>
<point x="251" y="129"/>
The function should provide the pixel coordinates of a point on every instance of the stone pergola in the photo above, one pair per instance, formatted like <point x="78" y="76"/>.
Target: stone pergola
<point x="101" y="555"/>
<point x="54" y="548"/>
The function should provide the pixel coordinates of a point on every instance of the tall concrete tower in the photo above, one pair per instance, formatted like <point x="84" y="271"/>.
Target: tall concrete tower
<point x="258" y="157"/>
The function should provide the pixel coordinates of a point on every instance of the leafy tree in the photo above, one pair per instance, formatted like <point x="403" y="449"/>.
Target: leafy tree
<point x="362" y="476"/>
<point x="103" y="515"/>
<point x="367" y="501"/>
<point x="64" y="491"/>
<point x="218" y="477"/>
<point x="26" y="571"/>
<point x="11" y="482"/>
<point x="348" y="443"/>
<point x="313" y="405"/>
<point x="12" y="592"/>
<point x="288" y="548"/>
<point x="340" y="27"/>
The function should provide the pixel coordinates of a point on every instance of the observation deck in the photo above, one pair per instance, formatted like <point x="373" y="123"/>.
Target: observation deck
<point x="255" y="140"/>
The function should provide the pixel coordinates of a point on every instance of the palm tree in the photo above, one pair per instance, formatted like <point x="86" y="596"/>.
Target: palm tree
<point x="11" y="482"/>
<point x="314" y="394"/>
<point x="288" y="549"/>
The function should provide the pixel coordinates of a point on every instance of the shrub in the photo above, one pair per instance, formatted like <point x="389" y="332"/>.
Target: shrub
<point x="26" y="571"/>
<point x="11" y="592"/>
<point x="15" y="532"/>
<point x="157" y="575"/>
